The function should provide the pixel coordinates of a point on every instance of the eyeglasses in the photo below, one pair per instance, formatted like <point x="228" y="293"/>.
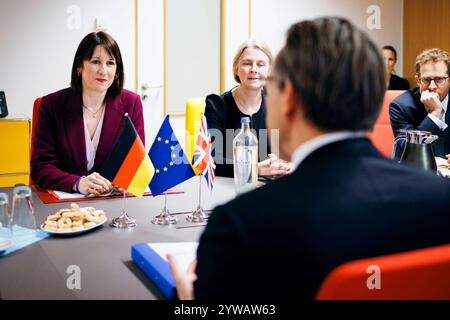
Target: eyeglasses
<point x="439" y="81"/>
<point x="271" y="78"/>
<point x="264" y="89"/>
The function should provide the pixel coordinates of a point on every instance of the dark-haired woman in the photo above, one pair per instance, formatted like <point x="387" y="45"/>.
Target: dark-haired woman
<point x="78" y="126"/>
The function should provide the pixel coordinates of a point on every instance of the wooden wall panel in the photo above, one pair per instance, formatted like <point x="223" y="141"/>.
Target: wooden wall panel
<point x="426" y="24"/>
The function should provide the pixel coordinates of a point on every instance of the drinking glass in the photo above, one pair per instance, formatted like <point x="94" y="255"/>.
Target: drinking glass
<point x="5" y="223"/>
<point x="22" y="208"/>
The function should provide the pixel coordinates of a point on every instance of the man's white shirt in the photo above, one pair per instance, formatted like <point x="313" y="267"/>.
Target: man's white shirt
<point x="440" y="122"/>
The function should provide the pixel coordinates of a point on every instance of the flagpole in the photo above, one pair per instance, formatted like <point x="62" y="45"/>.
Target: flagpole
<point x="165" y="217"/>
<point x="118" y="155"/>
<point x="124" y="221"/>
<point x="198" y="215"/>
<point x="165" y="201"/>
<point x="123" y="203"/>
<point x="200" y="188"/>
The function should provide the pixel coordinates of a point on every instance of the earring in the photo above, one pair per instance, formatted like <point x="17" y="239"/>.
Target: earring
<point x="116" y="77"/>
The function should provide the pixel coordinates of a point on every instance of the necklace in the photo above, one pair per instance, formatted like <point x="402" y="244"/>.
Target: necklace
<point x="248" y="109"/>
<point x="94" y="114"/>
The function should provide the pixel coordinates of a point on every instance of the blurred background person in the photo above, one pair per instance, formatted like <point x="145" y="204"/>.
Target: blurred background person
<point x="78" y="126"/>
<point x="251" y="66"/>
<point x="393" y="82"/>
<point x="426" y="107"/>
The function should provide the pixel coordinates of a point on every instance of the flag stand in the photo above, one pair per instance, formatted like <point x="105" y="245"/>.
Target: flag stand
<point x="164" y="217"/>
<point x="124" y="221"/>
<point x="198" y="215"/>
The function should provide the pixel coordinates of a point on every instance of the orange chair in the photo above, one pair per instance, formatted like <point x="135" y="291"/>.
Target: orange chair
<point x="422" y="274"/>
<point x="34" y="120"/>
<point x="382" y="136"/>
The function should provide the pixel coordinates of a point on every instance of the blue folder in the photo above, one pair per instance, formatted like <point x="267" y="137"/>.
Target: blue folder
<point x="155" y="267"/>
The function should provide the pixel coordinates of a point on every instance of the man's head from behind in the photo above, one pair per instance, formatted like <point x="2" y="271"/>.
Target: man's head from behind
<point x="328" y="77"/>
<point x="432" y="71"/>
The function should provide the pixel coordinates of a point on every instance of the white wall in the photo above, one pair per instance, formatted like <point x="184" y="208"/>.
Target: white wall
<point x="236" y="32"/>
<point x="193" y="51"/>
<point x="37" y="47"/>
<point x="271" y="19"/>
<point x="150" y="64"/>
<point x="193" y="58"/>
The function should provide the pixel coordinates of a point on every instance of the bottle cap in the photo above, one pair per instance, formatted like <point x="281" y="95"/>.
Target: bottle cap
<point x="245" y="120"/>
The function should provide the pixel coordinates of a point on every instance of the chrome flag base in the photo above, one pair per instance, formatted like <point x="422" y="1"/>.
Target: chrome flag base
<point x="197" y="216"/>
<point x="164" y="218"/>
<point x="123" y="222"/>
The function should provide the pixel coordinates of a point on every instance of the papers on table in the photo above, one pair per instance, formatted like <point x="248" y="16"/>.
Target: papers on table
<point x="443" y="166"/>
<point x="442" y="163"/>
<point x="65" y="195"/>
<point x="183" y="252"/>
<point x="54" y="196"/>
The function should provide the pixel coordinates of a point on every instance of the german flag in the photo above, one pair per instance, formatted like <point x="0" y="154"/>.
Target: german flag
<point x="128" y="165"/>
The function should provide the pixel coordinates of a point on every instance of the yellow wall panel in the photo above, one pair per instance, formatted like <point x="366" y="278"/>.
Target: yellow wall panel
<point x="14" y="150"/>
<point x="11" y="180"/>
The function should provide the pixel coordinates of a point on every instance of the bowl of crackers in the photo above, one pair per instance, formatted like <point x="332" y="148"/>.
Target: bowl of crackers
<point x="74" y="220"/>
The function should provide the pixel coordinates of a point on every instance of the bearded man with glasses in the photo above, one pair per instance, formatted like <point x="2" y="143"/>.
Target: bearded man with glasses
<point x="426" y="107"/>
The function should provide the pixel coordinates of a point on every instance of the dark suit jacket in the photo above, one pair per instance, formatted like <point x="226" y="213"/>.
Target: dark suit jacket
<point x="59" y="151"/>
<point x="407" y="112"/>
<point x="398" y="83"/>
<point x="345" y="201"/>
<point x="222" y="113"/>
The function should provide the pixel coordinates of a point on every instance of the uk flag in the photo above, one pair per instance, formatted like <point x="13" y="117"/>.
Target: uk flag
<point x="203" y="160"/>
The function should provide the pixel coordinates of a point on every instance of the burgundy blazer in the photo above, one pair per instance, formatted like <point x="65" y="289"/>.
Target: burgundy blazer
<point x="58" y="156"/>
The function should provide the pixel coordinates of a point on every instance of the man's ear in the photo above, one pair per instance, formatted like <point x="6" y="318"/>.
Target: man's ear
<point x="417" y="79"/>
<point x="292" y="101"/>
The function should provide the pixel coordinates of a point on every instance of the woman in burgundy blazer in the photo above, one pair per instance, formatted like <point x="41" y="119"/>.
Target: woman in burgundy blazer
<point x="59" y="159"/>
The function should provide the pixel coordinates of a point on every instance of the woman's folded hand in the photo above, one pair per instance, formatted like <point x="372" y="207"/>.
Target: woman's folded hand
<point x="274" y="167"/>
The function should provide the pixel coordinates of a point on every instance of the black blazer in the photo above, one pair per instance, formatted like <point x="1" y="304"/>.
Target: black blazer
<point x="280" y="241"/>
<point x="407" y="112"/>
<point x="222" y="113"/>
<point x="398" y="83"/>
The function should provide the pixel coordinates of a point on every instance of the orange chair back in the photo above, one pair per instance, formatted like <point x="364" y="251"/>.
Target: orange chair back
<point x="422" y="274"/>
<point x="382" y="136"/>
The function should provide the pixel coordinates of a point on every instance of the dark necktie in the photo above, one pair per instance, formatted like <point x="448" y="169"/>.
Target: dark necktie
<point x="447" y="131"/>
<point x="447" y="115"/>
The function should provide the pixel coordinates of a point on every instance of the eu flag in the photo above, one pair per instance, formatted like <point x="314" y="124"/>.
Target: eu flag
<point x="171" y="164"/>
